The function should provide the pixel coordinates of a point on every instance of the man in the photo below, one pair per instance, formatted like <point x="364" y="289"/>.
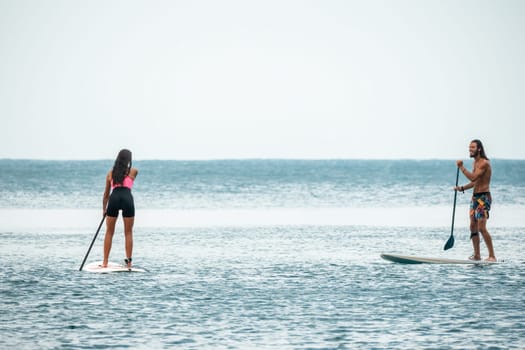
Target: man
<point x="481" y="199"/>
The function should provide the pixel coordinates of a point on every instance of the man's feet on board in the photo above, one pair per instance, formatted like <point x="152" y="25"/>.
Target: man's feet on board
<point x="478" y="258"/>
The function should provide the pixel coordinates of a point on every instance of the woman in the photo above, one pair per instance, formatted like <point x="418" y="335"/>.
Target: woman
<point x="120" y="181"/>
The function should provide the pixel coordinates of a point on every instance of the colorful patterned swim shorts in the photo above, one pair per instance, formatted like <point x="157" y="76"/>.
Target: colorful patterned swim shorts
<point x="480" y="205"/>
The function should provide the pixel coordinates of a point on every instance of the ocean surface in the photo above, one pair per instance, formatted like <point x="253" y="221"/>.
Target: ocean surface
<point x="259" y="254"/>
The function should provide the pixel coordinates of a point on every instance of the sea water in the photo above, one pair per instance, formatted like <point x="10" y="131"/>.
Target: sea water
<point x="265" y="254"/>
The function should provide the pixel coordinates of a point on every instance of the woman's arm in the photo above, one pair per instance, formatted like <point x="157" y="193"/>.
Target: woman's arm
<point x="107" y="189"/>
<point x="133" y="172"/>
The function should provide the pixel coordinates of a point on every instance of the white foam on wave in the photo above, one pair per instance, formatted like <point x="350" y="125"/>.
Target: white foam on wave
<point x="23" y="220"/>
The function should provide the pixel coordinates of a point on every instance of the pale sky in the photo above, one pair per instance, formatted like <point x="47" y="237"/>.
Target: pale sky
<point x="261" y="79"/>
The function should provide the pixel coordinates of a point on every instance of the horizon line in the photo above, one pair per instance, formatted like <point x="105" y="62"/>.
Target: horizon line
<point x="245" y="159"/>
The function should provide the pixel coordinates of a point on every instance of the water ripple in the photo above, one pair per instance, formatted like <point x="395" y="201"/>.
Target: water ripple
<point x="272" y="287"/>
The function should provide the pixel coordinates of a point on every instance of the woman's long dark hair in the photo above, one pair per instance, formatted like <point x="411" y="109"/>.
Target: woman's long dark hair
<point x="481" y="149"/>
<point x="121" y="166"/>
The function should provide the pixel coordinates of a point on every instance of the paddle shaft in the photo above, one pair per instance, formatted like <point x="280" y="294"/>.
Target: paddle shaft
<point x="454" y="208"/>
<point x="92" y="242"/>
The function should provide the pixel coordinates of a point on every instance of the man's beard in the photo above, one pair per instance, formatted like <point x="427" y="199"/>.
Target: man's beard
<point x="474" y="154"/>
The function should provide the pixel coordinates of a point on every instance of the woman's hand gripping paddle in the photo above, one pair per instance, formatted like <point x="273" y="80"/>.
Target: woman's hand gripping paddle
<point x="450" y="242"/>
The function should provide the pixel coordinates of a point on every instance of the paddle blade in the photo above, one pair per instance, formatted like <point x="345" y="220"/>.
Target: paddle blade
<point x="450" y="243"/>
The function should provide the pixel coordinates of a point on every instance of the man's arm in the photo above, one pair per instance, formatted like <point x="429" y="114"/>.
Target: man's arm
<point x="476" y="174"/>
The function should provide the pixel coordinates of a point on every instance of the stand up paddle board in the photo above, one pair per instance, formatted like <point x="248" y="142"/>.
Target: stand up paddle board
<point x="112" y="267"/>
<point x="405" y="259"/>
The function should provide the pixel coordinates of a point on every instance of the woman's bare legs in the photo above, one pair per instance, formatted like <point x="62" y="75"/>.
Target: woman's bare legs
<point x="128" y="236"/>
<point x="108" y="239"/>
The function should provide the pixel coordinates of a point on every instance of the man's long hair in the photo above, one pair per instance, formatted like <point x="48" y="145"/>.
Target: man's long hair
<point x="121" y="166"/>
<point x="481" y="149"/>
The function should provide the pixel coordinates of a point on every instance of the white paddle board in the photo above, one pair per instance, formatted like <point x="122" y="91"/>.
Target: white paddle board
<point x="408" y="259"/>
<point x="112" y="267"/>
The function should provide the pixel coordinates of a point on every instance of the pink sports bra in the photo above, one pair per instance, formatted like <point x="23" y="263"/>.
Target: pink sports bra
<point x="128" y="182"/>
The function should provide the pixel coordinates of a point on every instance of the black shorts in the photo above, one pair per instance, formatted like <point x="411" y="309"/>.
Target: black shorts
<point x="121" y="199"/>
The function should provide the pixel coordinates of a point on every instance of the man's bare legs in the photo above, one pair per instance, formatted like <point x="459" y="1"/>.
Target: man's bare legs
<point x="481" y="227"/>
